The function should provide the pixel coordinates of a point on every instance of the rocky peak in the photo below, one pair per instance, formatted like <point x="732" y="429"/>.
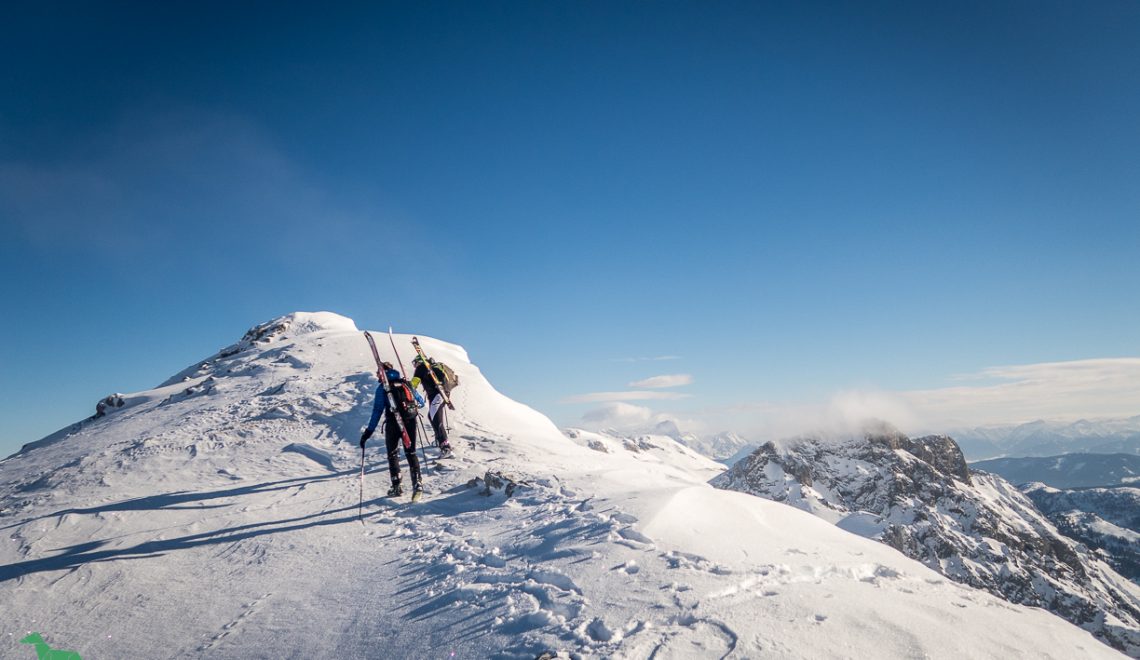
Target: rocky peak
<point x="942" y="453"/>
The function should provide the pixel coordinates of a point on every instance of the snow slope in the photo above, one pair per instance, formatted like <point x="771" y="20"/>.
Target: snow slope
<point x="216" y="516"/>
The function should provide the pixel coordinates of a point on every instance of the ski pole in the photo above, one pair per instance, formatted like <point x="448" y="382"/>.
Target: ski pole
<point x="423" y="429"/>
<point x="360" y="507"/>
<point x="424" y="432"/>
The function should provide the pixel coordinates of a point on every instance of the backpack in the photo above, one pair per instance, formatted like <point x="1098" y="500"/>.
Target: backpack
<point x="402" y="395"/>
<point x="445" y="375"/>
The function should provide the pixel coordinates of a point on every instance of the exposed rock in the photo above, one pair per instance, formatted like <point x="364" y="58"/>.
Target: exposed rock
<point x="496" y="482"/>
<point x="109" y="404"/>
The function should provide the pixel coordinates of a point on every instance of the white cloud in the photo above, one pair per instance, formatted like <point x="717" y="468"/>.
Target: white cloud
<point x="668" y="380"/>
<point x="617" y="415"/>
<point x="596" y="397"/>
<point x="1019" y="393"/>
<point x="1063" y="391"/>
<point x="845" y="412"/>
<point x="628" y="417"/>
<point x="848" y="411"/>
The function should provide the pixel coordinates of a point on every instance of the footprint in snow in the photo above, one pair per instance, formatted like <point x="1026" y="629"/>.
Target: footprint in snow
<point x="630" y="534"/>
<point x="684" y="637"/>
<point x="676" y="559"/>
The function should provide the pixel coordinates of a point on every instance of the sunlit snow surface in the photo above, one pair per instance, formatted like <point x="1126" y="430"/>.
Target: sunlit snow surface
<point x="217" y="517"/>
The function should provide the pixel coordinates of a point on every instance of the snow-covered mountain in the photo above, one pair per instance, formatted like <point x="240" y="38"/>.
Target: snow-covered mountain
<point x="1107" y="519"/>
<point x="917" y="495"/>
<point x="660" y="449"/>
<point x="1067" y="470"/>
<point x="1049" y="438"/>
<point x="217" y="516"/>
<point x="724" y="447"/>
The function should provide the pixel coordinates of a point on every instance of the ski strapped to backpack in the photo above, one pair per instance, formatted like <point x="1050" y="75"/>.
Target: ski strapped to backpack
<point x="410" y="395"/>
<point x="388" y="390"/>
<point x="449" y="380"/>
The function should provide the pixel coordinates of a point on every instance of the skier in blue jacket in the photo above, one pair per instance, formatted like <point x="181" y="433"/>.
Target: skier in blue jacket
<point x="407" y="402"/>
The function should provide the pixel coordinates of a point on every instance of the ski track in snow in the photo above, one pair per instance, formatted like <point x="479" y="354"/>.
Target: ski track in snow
<point x="221" y="521"/>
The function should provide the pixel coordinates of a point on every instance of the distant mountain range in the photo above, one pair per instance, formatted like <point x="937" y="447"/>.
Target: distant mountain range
<point x="1068" y="470"/>
<point x="1044" y="438"/>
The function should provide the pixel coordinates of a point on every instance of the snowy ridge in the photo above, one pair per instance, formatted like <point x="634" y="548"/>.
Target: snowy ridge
<point x="217" y="517"/>
<point x="724" y="447"/>
<point x="660" y="449"/>
<point x="918" y="496"/>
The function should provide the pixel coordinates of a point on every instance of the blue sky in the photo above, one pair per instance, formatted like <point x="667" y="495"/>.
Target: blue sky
<point x="797" y="201"/>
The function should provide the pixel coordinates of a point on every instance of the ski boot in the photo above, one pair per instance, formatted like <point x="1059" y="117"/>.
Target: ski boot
<point x="417" y="493"/>
<point x="395" y="490"/>
<point x="445" y="451"/>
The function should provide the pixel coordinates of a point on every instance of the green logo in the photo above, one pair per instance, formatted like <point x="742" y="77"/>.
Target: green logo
<point x="45" y="652"/>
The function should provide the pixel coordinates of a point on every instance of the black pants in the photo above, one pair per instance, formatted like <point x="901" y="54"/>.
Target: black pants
<point x="393" y="439"/>
<point x="439" y="421"/>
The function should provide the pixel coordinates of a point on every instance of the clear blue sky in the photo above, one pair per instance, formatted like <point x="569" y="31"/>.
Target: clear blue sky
<point x="793" y="198"/>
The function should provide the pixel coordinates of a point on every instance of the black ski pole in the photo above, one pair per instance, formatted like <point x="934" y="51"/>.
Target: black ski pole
<point x="360" y="507"/>
<point x="423" y="429"/>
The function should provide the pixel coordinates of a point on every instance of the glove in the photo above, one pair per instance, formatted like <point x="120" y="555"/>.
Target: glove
<point x="364" y="438"/>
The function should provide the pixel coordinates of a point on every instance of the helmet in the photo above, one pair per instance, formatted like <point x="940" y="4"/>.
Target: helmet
<point x="392" y="374"/>
<point x="419" y="359"/>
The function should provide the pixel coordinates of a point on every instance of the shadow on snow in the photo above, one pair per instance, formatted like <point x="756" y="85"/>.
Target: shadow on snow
<point x="83" y="553"/>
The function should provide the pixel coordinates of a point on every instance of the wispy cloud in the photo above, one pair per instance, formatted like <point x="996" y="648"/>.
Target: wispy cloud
<point x="617" y="415"/>
<point x="598" y="397"/>
<point x="628" y="417"/>
<point x="669" y="380"/>
<point x="1063" y="391"/>
<point x="1107" y="387"/>
<point x="659" y="358"/>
